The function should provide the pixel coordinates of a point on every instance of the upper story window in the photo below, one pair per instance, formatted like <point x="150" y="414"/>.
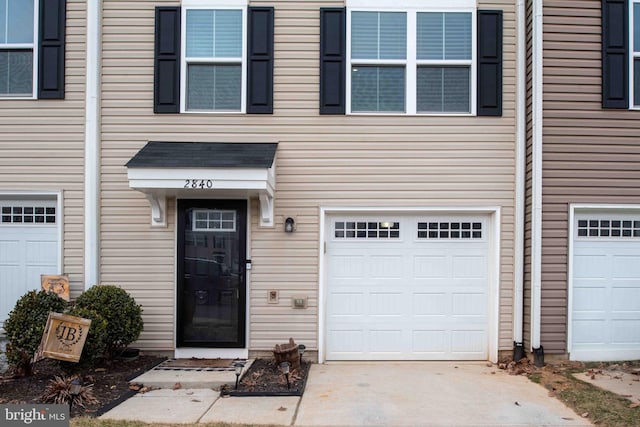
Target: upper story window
<point x="214" y="59"/>
<point x="17" y="37"/>
<point x="411" y="62"/>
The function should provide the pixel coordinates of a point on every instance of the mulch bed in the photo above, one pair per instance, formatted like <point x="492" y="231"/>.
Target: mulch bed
<point x="110" y="383"/>
<point x="264" y="378"/>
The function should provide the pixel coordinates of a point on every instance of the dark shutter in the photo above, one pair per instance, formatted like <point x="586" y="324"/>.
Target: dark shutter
<point x="332" y="60"/>
<point x="51" y="49"/>
<point x="260" y="61"/>
<point x="166" y="81"/>
<point x="489" y="63"/>
<point x="615" y="71"/>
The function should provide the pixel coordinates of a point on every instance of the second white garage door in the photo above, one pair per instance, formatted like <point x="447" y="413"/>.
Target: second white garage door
<point x="407" y="288"/>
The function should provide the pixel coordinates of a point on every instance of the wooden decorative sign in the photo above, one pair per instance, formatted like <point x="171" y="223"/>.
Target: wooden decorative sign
<point x="63" y="338"/>
<point x="56" y="284"/>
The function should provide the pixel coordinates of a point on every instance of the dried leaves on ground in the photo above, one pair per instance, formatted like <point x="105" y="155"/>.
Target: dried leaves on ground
<point x="110" y="382"/>
<point x="601" y="407"/>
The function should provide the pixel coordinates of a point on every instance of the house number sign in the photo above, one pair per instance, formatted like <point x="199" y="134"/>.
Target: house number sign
<point x="198" y="183"/>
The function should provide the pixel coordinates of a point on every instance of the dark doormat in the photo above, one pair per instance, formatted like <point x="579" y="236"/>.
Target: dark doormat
<point x="264" y="378"/>
<point x="195" y="364"/>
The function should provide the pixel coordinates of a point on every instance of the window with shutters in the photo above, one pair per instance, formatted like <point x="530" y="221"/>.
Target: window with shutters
<point x="411" y="61"/>
<point x="17" y="36"/>
<point x="213" y="60"/>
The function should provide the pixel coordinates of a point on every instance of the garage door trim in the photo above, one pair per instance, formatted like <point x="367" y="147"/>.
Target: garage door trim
<point x="576" y="210"/>
<point x="493" y="222"/>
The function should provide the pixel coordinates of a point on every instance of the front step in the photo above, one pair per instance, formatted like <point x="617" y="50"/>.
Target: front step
<point x="189" y="378"/>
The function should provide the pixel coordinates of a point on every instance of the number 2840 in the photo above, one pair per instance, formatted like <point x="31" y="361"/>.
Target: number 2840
<point x="198" y="183"/>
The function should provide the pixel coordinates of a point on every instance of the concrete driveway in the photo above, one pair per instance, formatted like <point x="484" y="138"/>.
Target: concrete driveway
<point x="426" y="394"/>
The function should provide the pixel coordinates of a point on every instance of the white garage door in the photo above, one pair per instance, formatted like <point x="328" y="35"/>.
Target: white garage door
<point x="28" y="248"/>
<point x="407" y="288"/>
<point x="606" y="288"/>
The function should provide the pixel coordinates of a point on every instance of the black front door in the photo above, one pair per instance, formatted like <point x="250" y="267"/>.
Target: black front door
<point x="211" y="273"/>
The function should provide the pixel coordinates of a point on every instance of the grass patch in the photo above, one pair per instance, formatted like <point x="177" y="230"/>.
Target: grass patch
<point x="604" y="407"/>
<point x="94" y="422"/>
<point x="601" y="407"/>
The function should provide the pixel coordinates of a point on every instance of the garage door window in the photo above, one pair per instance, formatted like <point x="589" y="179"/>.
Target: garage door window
<point x="367" y="230"/>
<point x="449" y="230"/>
<point x="28" y="214"/>
<point x="622" y="228"/>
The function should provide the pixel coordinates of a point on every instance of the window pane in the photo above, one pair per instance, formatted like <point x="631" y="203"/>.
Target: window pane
<point x="200" y="33"/>
<point x="377" y="89"/>
<point x="636" y="82"/>
<point x="457" y="36"/>
<point x="214" y="33"/>
<point x="213" y="87"/>
<point x="20" y="21"/>
<point x="636" y="27"/>
<point x="443" y="89"/>
<point x="444" y="35"/>
<point x="228" y="35"/>
<point x="3" y="21"/>
<point x="378" y="35"/>
<point x="430" y="43"/>
<point x="16" y="72"/>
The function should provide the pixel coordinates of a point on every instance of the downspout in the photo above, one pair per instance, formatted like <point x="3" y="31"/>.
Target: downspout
<point x="521" y="164"/>
<point x="536" y="218"/>
<point x="92" y="147"/>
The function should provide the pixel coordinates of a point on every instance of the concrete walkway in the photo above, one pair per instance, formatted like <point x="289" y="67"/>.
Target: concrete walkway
<point x="371" y="394"/>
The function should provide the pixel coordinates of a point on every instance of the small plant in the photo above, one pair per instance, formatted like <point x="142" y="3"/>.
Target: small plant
<point x="119" y="309"/>
<point x="25" y="325"/>
<point x="58" y="391"/>
<point x="96" y="342"/>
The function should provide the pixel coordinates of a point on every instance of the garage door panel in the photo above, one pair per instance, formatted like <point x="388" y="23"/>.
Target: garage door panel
<point x="10" y="252"/>
<point x="434" y="342"/>
<point x="430" y="267"/>
<point x="346" y="304"/>
<point x="589" y="298"/>
<point x="625" y="299"/>
<point x="387" y="303"/>
<point x="468" y="267"/>
<point x="589" y="331"/>
<point x="626" y="267"/>
<point x="430" y="304"/>
<point x="589" y="266"/>
<point x="625" y="331"/>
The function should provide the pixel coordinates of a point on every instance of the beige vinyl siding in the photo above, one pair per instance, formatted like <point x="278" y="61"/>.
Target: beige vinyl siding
<point x="376" y="161"/>
<point x="590" y="154"/>
<point x="42" y="145"/>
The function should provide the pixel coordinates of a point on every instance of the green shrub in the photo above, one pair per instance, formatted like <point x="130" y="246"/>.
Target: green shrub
<point x="96" y="342"/>
<point x="119" y="309"/>
<point x="25" y="326"/>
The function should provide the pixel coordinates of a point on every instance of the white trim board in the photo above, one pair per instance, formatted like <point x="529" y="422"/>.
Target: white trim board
<point x="494" y="216"/>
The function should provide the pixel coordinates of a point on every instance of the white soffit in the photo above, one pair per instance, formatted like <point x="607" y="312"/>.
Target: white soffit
<point x="204" y="170"/>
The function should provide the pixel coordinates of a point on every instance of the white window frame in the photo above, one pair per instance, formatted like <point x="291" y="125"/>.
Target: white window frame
<point x="411" y="62"/>
<point x="633" y="55"/>
<point x="194" y="220"/>
<point x="184" y="61"/>
<point x="34" y="48"/>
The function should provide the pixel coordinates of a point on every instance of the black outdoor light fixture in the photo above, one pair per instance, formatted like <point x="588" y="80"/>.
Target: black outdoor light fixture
<point x="284" y="367"/>
<point x="74" y="389"/>
<point x="289" y="225"/>
<point x="238" y="371"/>
<point x="301" y="349"/>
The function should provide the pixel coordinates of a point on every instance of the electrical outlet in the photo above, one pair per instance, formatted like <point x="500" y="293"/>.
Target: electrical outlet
<point x="299" y="302"/>
<point x="273" y="297"/>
